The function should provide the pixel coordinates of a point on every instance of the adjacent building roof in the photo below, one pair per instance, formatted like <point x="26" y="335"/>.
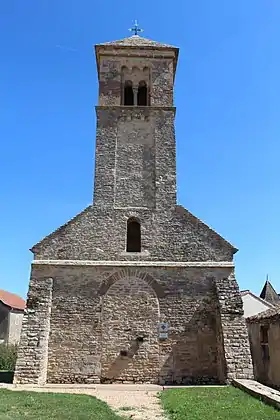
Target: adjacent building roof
<point x="138" y="41"/>
<point x="253" y="305"/>
<point x="271" y="314"/>
<point x="248" y="292"/>
<point x="12" y="300"/>
<point x="269" y="294"/>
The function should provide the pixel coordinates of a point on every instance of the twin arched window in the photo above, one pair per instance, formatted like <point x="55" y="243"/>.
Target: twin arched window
<point x="128" y="93"/>
<point x="142" y="94"/>
<point x="133" y="238"/>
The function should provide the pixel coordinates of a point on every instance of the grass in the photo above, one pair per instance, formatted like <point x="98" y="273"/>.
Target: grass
<point x="23" y="405"/>
<point x="227" y="403"/>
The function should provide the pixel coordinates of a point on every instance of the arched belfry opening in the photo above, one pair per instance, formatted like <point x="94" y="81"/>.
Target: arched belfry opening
<point x="142" y="96"/>
<point x="133" y="238"/>
<point x="128" y="93"/>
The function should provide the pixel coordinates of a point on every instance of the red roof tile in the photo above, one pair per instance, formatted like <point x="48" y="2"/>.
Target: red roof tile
<point x="12" y="300"/>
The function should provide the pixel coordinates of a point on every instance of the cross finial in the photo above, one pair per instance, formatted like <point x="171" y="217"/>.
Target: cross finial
<point x="136" y="28"/>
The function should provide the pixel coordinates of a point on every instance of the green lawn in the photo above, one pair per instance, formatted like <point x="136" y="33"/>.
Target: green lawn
<point x="21" y="405"/>
<point x="226" y="403"/>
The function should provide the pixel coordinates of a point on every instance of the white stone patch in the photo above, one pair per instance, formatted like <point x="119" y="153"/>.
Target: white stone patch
<point x="229" y="264"/>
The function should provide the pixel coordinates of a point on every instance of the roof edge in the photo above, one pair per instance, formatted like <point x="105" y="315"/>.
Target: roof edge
<point x="234" y="249"/>
<point x="248" y="292"/>
<point x="34" y="247"/>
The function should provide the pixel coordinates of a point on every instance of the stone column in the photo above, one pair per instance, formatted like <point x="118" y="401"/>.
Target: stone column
<point x="31" y="366"/>
<point x="233" y="341"/>
<point x="135" y="95"/>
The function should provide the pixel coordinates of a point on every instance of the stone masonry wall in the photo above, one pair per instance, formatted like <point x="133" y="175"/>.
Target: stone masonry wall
<point x="265" y="353"/>
<point x="31" y="366"/>
<point x="96" y="314"/>
<point x="135" y="163"/>
<point x="161" y="81"/>
<point x="100" y="234"/>
<point x="233" y="331"/>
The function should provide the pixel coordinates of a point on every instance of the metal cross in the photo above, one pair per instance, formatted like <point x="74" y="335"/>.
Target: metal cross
<point x="136" y="28"/>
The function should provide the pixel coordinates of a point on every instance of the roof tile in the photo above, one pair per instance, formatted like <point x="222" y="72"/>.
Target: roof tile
<point x="12" y="300"/>
<point x="270" y="314"/>
<point x="137" y="41"/>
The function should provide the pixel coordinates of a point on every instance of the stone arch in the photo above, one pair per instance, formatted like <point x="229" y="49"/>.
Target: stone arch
<point x="129" y="324"/>
<point x="124" y="70"/>
<point x="132" y="272"/>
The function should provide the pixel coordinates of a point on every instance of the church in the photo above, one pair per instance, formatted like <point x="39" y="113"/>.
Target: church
<point x="135" y="288"/>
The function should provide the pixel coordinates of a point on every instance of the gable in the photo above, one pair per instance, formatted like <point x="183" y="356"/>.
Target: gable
<point x="201" y="242"/>
<point x="253" y="305"/>
<point x="53" y="238"/>
<point x="100" y="234"/>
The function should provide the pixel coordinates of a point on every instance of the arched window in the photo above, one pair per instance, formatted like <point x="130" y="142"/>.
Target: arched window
<point x="128" y="93"/>
<point x="142" y="96"/>
<point x="133" y="239"/>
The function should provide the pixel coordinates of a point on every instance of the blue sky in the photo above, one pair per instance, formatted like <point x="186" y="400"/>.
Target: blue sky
<point x="227" y="125"/>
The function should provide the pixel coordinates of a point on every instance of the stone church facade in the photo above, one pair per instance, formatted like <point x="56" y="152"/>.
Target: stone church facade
<point x="134" y="288"/>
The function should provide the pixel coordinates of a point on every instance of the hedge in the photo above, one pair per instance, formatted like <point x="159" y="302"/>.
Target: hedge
<point x="8" y="357"/>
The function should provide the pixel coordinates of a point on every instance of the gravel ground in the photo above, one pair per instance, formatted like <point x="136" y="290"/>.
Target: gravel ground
<point x="137" y="402"/>
<point x="137" y="405"/>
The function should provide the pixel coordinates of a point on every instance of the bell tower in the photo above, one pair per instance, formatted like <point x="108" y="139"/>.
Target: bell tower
<point x="135" y="164"/>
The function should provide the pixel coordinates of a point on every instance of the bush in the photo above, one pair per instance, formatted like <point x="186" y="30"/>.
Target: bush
<point x="8" y="357"/>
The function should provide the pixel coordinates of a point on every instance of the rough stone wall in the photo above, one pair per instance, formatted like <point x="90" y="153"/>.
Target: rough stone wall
<point x="233" y="331"/>
<point x="97" y="311"/>
<point x="15" y="322"/>
<point x="31" y="366"/>
<point x="266" y="369"/>
<point x="100" y="234"/>
<point x="130" y="320"/>
<point x="135" y="158"/>
<point x="160" y="70"/>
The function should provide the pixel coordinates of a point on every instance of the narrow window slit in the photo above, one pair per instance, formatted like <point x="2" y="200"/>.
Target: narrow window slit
<point x="133" y="240"/>
<point x="142" y="96"/>
<point x="128" y="93"/>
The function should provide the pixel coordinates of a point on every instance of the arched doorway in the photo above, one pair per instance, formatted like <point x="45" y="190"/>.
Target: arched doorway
<point x="130" y="319"/>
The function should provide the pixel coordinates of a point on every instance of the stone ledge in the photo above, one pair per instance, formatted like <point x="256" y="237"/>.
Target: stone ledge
<point x="268" y="395"/>
<point x="206" y="264"/>
<point x="136" y="107"/>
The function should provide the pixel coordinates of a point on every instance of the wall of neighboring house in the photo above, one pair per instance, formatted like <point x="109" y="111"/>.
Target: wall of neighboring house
<point x="4" y="322"/>
<point x="253" y="306"/>
<point x="15" y="322"/>
<point x="10" y="324"/>
<point x="264" y="340"/>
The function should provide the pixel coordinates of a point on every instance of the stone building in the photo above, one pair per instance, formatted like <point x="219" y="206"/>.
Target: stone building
<point x="134" y="288"/>
<point x="11" y="313"/>
<point x="264" y="333"/>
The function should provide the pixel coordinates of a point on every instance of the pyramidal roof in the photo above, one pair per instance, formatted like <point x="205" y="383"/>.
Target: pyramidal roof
<point x="269" y="294"/>
<point x="137" y="41"/>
